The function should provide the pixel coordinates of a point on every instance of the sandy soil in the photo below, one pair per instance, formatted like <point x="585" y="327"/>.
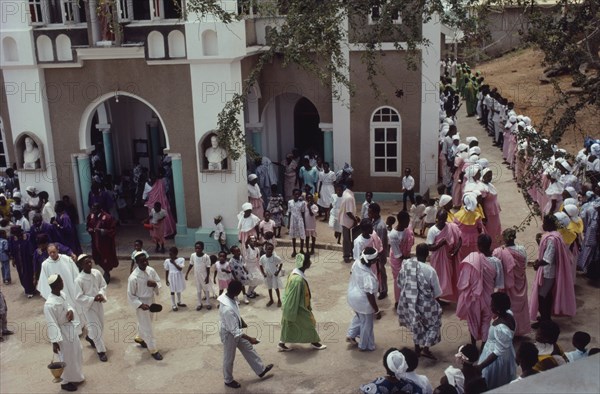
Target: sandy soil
<point x="190" y="343"/>
<point x="517" y="75"/>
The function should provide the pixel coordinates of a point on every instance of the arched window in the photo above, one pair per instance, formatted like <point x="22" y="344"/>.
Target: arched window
<point x="156" y="45"/>
<point x="176" y="44"/>
<point x="210" y="43"/>
<point x="9" y="49"/>
<point x="44" y="49"/>
<point x="63" y="48"/>
<point x="386" y="137"/>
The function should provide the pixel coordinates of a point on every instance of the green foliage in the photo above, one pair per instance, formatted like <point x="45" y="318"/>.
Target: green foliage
<point x="313" y="36"/>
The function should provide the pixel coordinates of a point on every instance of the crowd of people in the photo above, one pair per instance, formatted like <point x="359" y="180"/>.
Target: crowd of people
<point x="466" y="256"/>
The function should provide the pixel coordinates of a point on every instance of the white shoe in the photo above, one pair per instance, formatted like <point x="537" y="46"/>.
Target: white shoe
<point x="246" y="300"/>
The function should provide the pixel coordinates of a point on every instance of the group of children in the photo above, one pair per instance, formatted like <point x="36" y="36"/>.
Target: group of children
<point x="422" y="213"/>
<point x="258" y="265"/>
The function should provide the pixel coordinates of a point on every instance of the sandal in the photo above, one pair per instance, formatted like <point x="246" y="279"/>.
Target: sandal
<point x="428" y="354"/>
<point x="175" y="309"/>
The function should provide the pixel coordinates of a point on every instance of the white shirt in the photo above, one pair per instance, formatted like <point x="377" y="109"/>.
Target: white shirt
<point x="24" y="223"/>
<point x="138" y="292"/>
<point x="229" y="314"/>
<point x="254" y="191"/>
<point x="408" y="183"/>
<point x="430" y="213"/>
<point x="362" y="281"/>
<point x="576" y="355"/>
<point x="48" y="212"/>
<point x="421" y="380"/>
<point x="432" y="233"/>
<point x="155" y="217"/>
<point x="270" y="264"/>
<point x="201" y="264"/>
<point x="395" y="238"/>
<point x="55" y="311"/>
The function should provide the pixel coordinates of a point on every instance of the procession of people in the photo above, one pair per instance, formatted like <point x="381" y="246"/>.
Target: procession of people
<point x="467" y="258"/>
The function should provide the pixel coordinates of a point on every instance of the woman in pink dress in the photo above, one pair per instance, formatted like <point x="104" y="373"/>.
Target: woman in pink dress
<point x="444" y="241"/>
<point x="479" y="275"/>
<point x="158" y="193"/>
<point x="514" y="264"/>
<point x="491" y="209"/>
<point x="470" y="223"/>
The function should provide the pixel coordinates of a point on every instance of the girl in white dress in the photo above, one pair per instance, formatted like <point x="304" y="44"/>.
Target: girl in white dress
<point x="334" y="221"/>
<point x="296" y="208"/>
<point x="200" y="263"/>
<point x="222" y="272"/>
<point x="174" y="275"/>
<point x="255" y="277"/>
<point x="270" y="266"/>
<point x="326" y="189"/>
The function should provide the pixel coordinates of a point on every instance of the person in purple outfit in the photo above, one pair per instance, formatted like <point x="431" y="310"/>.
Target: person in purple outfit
<point x="63" y="226"/>
<point x="38" y="226"/>
<point x="21" y="252"/>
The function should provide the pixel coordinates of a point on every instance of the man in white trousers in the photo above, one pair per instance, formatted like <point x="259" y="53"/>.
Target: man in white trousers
<point x="234" y="338"/>
<point x="62" y="333"/>
<point x="142" y="286"/>
<point x="90" y="290"/>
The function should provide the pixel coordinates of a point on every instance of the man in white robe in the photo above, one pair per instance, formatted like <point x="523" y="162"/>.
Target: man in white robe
<point x="62" y="333"/>
<point x="64" y="266"/>
<point x="142" y="286"/>
<point x="234" y="338"/>
<point x="90" y="288"/>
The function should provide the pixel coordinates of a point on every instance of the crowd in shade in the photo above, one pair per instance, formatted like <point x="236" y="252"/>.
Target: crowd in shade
<point x="465" y="256"/>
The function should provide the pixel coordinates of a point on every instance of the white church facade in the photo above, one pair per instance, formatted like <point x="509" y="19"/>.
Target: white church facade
<point x="71" y="90"/>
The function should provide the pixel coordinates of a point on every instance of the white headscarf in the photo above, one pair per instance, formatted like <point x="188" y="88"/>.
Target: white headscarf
<point x="595" y="150"/>
<point x="571" y="191"/>
<point x="572" y="211"/>
<point x="562" y="218"/>
<point x="483" y="163"/>
<point x="471" y="171"/>
<point x="445" y="199"/>
<point x="570" y="201"/>
<point x="470" y="201"/>
<point x="475" y="150"/>
<point x="396" y="363"/>
<point x="463" y="147"/>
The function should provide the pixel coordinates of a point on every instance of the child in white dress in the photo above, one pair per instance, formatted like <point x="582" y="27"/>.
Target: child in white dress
<point x="223" y="272"/>
<point x="255" y="277"/>
<point x="334" y="220"/>
<point x="218" y="233"/>
<point x="417" y="215"/>
<point x="174" y="274"/>
<point x="430" y="214"/>
<point x="138" y="246"/>
<point x="296" y="208"/>
<point x="310" y="222"/>
<point x="201" y="263"/>
<point x="270" y="266"/>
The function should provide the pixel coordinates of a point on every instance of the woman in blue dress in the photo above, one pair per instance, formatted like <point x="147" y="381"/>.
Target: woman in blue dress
<point x="497" y="361"/>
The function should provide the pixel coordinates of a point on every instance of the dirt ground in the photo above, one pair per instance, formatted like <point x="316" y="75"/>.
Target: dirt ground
<point x="516" y="75"/>
<point x="192" y="350"/>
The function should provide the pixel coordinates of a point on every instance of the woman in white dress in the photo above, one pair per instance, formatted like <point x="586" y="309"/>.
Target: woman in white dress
<point x="334" y="213"/>
<point x="497" y="361"/>
<point x="326" y="189"/>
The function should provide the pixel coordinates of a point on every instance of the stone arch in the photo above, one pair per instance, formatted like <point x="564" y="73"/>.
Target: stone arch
<point x="63" y="48"/>
<point x="210" y="43"/>
<point x="176" y="44"/>
<point x="10" y="50"/>
<point x="156" y="45"/>
<point x="85" y="139"/>
<point x="44" y="49"/>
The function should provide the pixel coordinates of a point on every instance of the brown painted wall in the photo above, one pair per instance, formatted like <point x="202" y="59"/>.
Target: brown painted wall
<point x="6" y="122"/>
<point x="276" y="80"/>
<point x="364" y="102"/>
<point x="167" y="88"/>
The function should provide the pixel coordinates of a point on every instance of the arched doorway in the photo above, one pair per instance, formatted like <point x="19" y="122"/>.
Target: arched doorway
<point x="308" y="137"/>
<point x="125" y="139"/>
<point x="290" y="121"/>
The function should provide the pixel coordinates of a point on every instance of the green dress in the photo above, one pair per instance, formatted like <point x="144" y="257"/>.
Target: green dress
<point x="471" y="98"/>
<point x="298" y="324"/>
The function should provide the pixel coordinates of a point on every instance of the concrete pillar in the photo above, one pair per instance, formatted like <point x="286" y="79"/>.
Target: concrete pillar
<point x="154" y="145"/>
<point x="108" y="148"/>
<point x="178" y="189"/>
<point x="327" y="129"/>
<point x="257" y="133"/>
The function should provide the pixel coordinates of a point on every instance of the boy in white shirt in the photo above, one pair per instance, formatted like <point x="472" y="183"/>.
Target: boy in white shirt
<point x="408" y="186"/>
<point x="201" y="263"/>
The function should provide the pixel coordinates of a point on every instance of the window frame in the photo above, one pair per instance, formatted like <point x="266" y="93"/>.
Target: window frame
<point x="372" y="21"/>
<point x="373" y="125"/>
<point x="126" y="12"/>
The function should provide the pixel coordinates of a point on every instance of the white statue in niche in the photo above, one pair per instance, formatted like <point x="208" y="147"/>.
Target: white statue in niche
<point x="215" y="154"/>
<point x="31" y="155"/>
